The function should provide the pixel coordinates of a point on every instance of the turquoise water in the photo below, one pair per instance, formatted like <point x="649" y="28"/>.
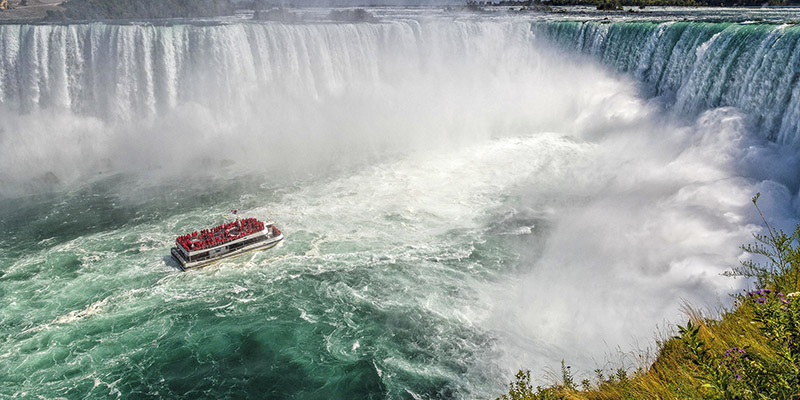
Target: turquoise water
<point x="351" y="307"/>
<point x="461" y="197"/>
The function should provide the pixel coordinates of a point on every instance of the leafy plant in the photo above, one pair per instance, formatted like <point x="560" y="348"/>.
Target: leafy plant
<point x="716" y="382"/>
<point x="566" y="376"/>
<point x="782" y="253"/>
<point x="521" y="389"/>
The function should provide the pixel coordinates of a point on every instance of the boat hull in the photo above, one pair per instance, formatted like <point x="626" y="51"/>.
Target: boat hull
<point x="187" y="265"/>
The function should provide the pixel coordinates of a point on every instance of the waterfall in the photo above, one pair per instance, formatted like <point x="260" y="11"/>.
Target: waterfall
<point x="461" y="199"/>
<point x="702" y="65"/>
<point x="126" y="72"/>
<point x="87" y="98"/>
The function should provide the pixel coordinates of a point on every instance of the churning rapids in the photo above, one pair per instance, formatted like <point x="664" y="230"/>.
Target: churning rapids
<point x="463" y="196"/>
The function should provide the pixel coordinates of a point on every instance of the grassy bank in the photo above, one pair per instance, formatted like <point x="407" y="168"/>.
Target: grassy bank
<point x="751" y="351"/>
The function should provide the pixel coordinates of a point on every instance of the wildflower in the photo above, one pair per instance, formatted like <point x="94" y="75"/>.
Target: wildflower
<point x="784" y="300"/>
<point x="732" y="352"/>
<point x="737" y="376"/>
<point x="762" y="300"/>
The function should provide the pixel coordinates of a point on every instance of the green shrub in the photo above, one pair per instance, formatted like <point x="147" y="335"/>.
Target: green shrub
<point x="743" y="374"/>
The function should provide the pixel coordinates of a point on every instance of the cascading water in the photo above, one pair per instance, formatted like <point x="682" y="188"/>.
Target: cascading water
<point x="113" y="88"/>
<point x="754" y="67"/>
<point x="460" y="201"/>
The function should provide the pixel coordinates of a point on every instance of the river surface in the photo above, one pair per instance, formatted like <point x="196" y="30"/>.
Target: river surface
<point x="463" y="195"/>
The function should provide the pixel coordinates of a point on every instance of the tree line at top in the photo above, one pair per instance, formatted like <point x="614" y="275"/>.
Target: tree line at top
<point x="617" y="4"/>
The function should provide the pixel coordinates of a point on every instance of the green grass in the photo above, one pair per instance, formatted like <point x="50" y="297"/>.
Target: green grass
<point x="751" y="351"/>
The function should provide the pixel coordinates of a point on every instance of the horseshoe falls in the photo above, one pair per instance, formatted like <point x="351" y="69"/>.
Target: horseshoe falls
<point x="462" y="195"/>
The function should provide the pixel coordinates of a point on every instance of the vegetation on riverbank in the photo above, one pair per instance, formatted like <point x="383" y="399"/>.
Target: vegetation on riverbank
<point x="618" y="4"/>
<point x="750" y="352"/>
<point x="141" y="9"/>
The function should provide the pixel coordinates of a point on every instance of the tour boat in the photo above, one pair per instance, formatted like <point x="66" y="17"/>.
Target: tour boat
<point x="198" y="249"/>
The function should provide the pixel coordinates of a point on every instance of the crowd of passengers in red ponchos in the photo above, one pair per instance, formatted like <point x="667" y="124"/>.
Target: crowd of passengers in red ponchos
<point x="220" y="234"/>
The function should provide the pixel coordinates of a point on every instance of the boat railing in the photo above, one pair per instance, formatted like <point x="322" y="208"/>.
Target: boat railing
<point x="230" y="248"/>
<point x="224" y="233"/>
